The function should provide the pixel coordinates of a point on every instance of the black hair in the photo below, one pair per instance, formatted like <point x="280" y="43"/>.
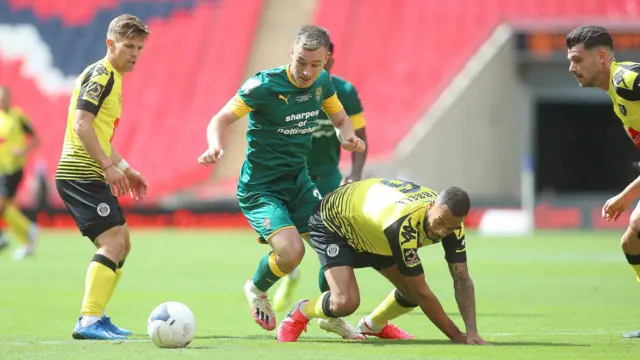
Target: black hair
<point x="331" y="47"/>
<point x="456" y="200"/>
<point x="590" y="37"/>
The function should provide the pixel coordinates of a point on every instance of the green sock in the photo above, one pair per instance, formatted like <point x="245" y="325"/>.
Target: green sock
<point x="322" y="282"/>
<point x="267" y="273"/>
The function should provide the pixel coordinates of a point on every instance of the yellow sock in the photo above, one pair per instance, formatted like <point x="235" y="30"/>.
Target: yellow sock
<point x="17" y="222"/>
<point x="634" y="261"/>
<point x="390" y="308"/>
<point x="313" y="308"/>
<point x="101" y="276"/>
<point x="115" y="282"/>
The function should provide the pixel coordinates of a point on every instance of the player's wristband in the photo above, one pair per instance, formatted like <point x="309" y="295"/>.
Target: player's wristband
<point x="123" y="165"/>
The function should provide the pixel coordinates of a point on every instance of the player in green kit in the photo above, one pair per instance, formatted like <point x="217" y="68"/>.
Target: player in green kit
<point x="325" y="149"/>
<point x="323" y="166"/>
<point x="275" y="191"/>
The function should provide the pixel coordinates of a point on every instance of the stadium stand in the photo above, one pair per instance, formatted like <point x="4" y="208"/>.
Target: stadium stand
<point x="168" y="99"/>
<point x="44" y="44"/>
<point x="400" y="58"/>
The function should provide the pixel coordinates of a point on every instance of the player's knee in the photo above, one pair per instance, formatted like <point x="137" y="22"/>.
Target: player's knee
<point x="127" y="244"/>
<point x="404" y="299"/>
<point x="634" y="222"/>
<point x="290" y="257"/>
<point x="345" y="304"/>
<point x="630" y="242"/>
<point x="112" y="242"/>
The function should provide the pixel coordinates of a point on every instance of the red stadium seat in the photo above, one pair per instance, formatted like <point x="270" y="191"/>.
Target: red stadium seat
<point x="398" y="57"/>
<point x="167" y="101"/>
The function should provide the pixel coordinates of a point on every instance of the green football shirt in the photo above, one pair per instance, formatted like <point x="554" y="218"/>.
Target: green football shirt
<point x="325" y="150"/>
<point x="282" y="118"/>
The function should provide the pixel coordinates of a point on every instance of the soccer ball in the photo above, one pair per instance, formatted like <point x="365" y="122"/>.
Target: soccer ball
<point x="171" y="325"/>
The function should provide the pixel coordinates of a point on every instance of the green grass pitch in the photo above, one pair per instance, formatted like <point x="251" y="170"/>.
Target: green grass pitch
<point x="551" y="296"/>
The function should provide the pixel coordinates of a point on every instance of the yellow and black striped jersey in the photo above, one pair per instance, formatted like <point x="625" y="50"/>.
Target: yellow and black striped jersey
<point x="97" y="90"/>
<point x="14" y="131"/>
<point x="624" y="90"/>
<point x="387" y="217"/>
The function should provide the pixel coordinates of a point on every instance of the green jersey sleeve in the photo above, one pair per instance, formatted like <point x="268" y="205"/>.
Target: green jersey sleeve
<point x="254" y="92"/>
<point x="327" y="85"/>
<point x="350" y="100"/>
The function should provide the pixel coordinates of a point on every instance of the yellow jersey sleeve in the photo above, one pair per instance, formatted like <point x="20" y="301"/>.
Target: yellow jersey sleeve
<point x="403" y="241"/>
<point x="94" y="89"/>
<point x="455" y="250"/>
<point x="331" y="105"/>
<point x="358" y="121"/>
<point x="238" y="106"/>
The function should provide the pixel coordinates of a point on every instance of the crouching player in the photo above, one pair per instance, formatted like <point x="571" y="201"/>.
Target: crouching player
<point x="381" y="223"/>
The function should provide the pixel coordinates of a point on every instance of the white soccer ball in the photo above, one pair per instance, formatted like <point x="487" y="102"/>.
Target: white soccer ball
<point x="171" y="325"/>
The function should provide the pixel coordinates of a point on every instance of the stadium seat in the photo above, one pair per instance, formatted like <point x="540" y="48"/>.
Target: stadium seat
<point x="168" y="99"/>
<point x="396" y="54"/>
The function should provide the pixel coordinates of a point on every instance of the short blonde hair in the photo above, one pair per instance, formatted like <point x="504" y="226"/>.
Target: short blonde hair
<point x="127" y="26"/>
<point x="312" y="37"/>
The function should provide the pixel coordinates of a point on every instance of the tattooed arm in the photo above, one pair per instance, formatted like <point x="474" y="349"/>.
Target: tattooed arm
<point x="466" y="299"/>
<point x="456" y="256"/>
<point x="465" y="295"/>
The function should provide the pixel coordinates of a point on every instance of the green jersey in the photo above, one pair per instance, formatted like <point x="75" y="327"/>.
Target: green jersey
<point x="325" y="149"/>
<point x="282" y="117"/>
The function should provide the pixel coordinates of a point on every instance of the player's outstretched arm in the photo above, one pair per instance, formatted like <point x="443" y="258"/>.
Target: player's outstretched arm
<point x="216" y="128"/>
<point x="358" y="159"/>
<point x="466" y="299"/>
<point x="431" y="307"/>
<point x="83" y="127"/>
<point x="346" y="133"/>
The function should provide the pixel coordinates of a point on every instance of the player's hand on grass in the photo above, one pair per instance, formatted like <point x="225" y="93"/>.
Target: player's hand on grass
<point x="475" y="339"/>
<point x="615" y="206"/>
<point x="137" y="184"/>
<point x="211" y="156"/>
<point x="353" y="144"/>
<point x="117" y="180"/>
<point x="460" y="338"/>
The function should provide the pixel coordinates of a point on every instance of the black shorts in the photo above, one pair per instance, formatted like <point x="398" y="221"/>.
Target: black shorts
<point x="334" y="250"/>
<point x="9" y="184"/>
<point x="93" y="207"/>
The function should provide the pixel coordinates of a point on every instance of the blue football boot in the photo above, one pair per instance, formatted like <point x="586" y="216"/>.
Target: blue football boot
<point x="95" y="331"/>
<point x="106" y="322"/>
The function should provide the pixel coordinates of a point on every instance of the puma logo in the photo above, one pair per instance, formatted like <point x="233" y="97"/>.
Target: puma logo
<point x="286" y="99"/>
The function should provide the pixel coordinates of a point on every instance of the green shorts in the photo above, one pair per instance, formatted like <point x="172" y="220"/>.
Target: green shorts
<point x="327" y="181"/>
<point x="285" y="204"/>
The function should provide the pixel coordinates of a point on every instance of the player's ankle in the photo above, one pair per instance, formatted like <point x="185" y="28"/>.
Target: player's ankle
<point x="88" y="320"/>
<point x="252" y="288"/>
<point x="371" y="326"/>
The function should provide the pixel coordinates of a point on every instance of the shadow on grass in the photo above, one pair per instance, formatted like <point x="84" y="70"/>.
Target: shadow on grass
<point x="378" y="342"/>
<point x="480" y="315"/>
